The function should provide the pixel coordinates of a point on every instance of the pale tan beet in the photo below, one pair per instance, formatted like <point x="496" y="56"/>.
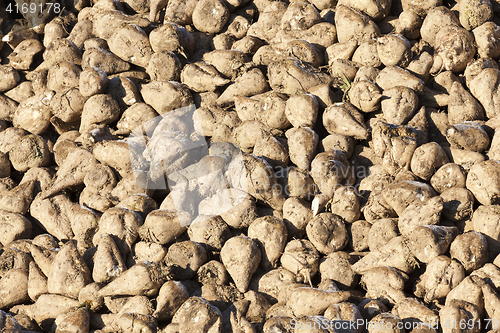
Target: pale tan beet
<point x="62" y="49"/>
<point x="78" y="319"/>
<point x="399" y="104"/>
<point x="446" y="49"/>
<point x="395" y="145"/>
<point x="201" y="77"/>
<point x="33" y="114"/>
<point x="10" y="78"/>
<point x="241" y="257"/>
<point x="366" y="54"/>
<point x="302" y="143"/>
<point x="251" y="83"/>
<point x="8" y="107"/>
<point x="483" y="181"/>
<point x="494" y="148"/>
<point x="164" y="66"/>
<point x="429" y="242"/>
<point x="341" y="70"/>
<point x="179" y="12"/>
<point x="14" y="288"/>
<point x="486" y="220"/>
<point x="185" y="258"/>
<point x="457" y="204"/>
<point x="363" y="30"/>
<point x="210" y="16"/>
<point x="394" y="50"/>
<point x="109" y="20"/>
<point x="464" y="158"/>
<point x="302" y="110"/>
<point x="272" y="110"/>
<point x="421" y="213"/>
<point x="171" y="296"/>
<point x="468" y="290"/>
<point x="270" y="233"/>
<point x="437" y="18"/>
<point x="482" y="34"/>
<point x="273" y="150"/>
<point x="258" y="179"/>
<point x="68" y="272"/>
<point x="381" y="232"/>
<point x="269" y="22"/>
<point x="13" y="226"/>
<point x="346" y="203"/>
<point x="400" y="195"/>
<point x="321" y="35"/>
<point x="115" y="154"/>
<point x="370" y="308"/>
<point x="99" y="109"/>
<point x="390" y="320"/>
<point x="108" y="262"/>
<point x="300" y="184"/>
<point x="136" y="115"/>
<point x="161" y="226"/>
<point x="386" y="283"/>
<point x="72" y="171"/>
<point x="210" y="231"/>
<point x="198" y="315"/>
<point x="301" y="258"/>
<point x="330" y="169"/>
<point x="67" y="108"/>
<point x="448" y="176"/>
<point x="327" y="232"/>
<point x="49" y="306"/>
<point x="393" y="76"/>
<point x="19" y="198"/>
<point x="81" y="32"/>
<point x="124" y="91"/>
<point x="101" y="58"/>
<point x="339" y="142"/>
<point x="122" y="225"/>
<point x="340" y="51"/>
<point x="359" y="235"/>
<point x="37" y="282"/>
<point x="489" y="273"/>
<point x="427" y="159"/>
<point x="313" y="302"/>
<point x="273" y="283"/>
<point x="140" y="279"/>
<point x="483" y="88"/>
<point x="470" y="249"/>
<point x="463" y="106"/>
<point x="23" y="55"/>
<point x="43" y="257"/>
<point x="296" y="215"/>
<point x="281" y="76"/>
<point x="248" y="133"/>
<point x="365" y="95"/>
<point x="63" y="76"/>
<point x="415" y="311"/>
<point x="31" y="151"/>
<point x="344" y="119"/>
<point x="337" y="267"/>
<point x="175" y="95"/>
<point x="147" y="251"/>
<point x="491" y="302"/>
<point x="469" y="136"/>
<point x="394" y="253"/>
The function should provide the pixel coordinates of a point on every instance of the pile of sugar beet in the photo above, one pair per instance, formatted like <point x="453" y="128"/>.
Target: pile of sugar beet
<point x="250" y="166"/>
